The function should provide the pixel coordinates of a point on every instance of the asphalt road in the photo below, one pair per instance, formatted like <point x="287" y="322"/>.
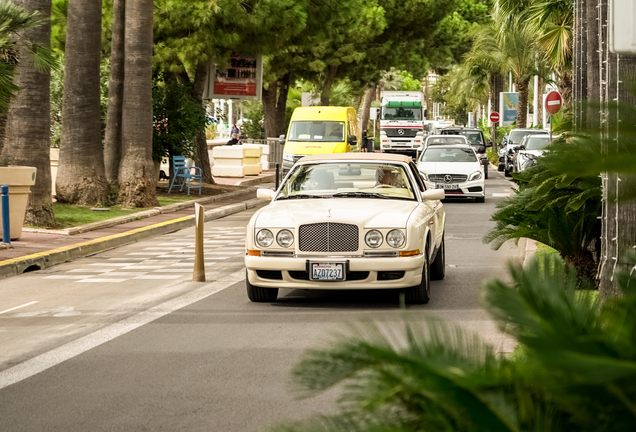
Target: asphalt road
<point x="122" y="340"/>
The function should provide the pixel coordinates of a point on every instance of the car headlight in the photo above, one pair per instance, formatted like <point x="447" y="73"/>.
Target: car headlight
<point x="424" y="175"/>
<point x="395" y="238"/>
<point x="475" y="176"/>
<point x="288" y="157"/>
<point x="285" y="238"/>
<point x="373" y="239"/>
<point x="264" y="238"/>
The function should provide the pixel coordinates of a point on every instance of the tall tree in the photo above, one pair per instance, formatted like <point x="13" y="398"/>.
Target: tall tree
<point x="28" y="133"/>
<point x="81" y="178"/>
<point x="112" y="137"/>
<point x="137" y="178"/>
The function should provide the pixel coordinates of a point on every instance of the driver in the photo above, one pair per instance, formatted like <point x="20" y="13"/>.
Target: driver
<point x="384" y="176"/>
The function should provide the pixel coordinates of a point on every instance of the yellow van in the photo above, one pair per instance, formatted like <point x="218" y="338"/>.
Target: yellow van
<point x="319" y="130"/>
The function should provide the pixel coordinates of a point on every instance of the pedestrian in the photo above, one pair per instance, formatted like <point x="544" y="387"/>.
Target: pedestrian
<point x="235" y="130"/>
<point x="234" y="140"/>
<point x="364" y="141"/>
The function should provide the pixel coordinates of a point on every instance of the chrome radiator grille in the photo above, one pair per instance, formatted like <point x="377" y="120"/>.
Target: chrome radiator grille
<point x="440" y="178"/>
<point x="328" y="237"/>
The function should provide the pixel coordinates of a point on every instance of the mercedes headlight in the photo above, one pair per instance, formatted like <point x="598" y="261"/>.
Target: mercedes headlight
<point x="288" y="157"/>
<point x="373" y="239"/>
<point x="475" y="176"/>
<point x="264" y="238"/>
<point x="285" y="238"/>
<point x="395" y="238"/>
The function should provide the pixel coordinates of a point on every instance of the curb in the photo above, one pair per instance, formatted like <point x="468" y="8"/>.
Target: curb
<point x="256" y="181"/>
<point x="141" y="215"/>
<point x="42" y="260"/>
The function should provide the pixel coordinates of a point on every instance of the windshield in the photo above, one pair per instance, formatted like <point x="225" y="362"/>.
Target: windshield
<point x="326" y="131"/>
<point x="401" y="113"/>
<point x="517" y="135"/>
<point x="445" y="140"/>
<point x="538" y="143"/>
<point x="473" y="137"/>
<point x="441" y="154"/>
<point x="350" y="180"/>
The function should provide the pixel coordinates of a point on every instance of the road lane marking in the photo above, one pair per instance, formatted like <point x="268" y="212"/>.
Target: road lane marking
<point x="101" y="280"/>
<point x="67" y="351"/>
<point x="18" y="307"/>
<point x="500" y="195"/>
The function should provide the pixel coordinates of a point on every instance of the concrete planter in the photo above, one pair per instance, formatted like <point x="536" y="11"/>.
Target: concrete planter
<point x="19" y="179"/>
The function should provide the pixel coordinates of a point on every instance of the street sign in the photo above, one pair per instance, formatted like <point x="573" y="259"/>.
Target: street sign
<point x="494" y="117"/>
<point x="553" y="102"/>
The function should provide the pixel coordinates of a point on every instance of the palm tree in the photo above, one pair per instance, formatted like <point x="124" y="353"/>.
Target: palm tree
<point x="112" y="136"/>
<point x="27" y="134"/>
<point x="137" y="179"/>
<point x="81" y="178"/>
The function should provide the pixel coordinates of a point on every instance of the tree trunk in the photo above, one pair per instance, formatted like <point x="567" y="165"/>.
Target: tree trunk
<point x="365" y="107"/>
<point x="325" y="95"/>
<point x="281" y="103"/>
<point x="137" y="178"/>
<point x="522" y="112"/>
<point x="112" y="139"/>
<point x="496" y="87"/>
<point x="3" y="129"/>
<point x="269" y="110"/>
<point x="591" y="112"/>
<point x="80" y="177"/>
<point x="540" y="107"/>
<point x="28" y="129"/>
<point x="202" y="144"/>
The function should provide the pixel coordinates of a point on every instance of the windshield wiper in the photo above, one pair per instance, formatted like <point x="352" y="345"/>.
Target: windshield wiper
<point x="359" y="195"/>
<point x="301" y="196"/>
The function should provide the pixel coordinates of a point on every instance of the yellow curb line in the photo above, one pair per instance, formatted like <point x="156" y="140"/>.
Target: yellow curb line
<point x="90" y="242"/>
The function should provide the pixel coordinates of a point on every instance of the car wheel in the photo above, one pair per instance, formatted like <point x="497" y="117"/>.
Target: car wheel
<point x="438" y="268"/>
<point x="259" y="294"/>
<point x="419" y="294"/>
<point x="480" y="199"/>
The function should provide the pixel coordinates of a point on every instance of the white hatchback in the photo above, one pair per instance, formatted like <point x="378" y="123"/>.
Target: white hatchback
<point x="455" y="169"/>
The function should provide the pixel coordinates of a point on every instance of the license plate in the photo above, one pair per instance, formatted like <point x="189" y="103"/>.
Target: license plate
<point x="447" y="186"/>
<point x="328" y="271"/>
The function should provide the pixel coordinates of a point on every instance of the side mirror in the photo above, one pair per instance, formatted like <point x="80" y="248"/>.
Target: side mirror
<point x="265" y="194"/>
<point x="481" y="149"/>
<point x="511" y="151"/>
<point x="353" y="140"/>
<point x="522" y="147"/>
<point x="434" y="194"/>
<point x="281" y="139"/>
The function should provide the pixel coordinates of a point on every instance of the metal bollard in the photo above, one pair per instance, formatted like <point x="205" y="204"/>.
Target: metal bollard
<point x="277" y="175"/>
<point x="199" y="260"/>
<point x="6" y="226"/>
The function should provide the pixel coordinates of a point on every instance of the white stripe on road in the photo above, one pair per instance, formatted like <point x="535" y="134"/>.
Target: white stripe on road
<point x="72" y="349"/>
<point x="18" y="307"/>
<point x="500" y="195"/>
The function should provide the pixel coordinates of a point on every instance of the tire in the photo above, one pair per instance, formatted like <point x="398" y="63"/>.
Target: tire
<point x="419" y="294"/>
<point x="480" y="199"/>
<point x="438" y="268"/>
<point x="500" y="167"/>
<point x="507" y="173"/>
<point x="259" y="294"/>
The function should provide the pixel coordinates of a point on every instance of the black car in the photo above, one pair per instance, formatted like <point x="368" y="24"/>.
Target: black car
<point x="475" y="138"/>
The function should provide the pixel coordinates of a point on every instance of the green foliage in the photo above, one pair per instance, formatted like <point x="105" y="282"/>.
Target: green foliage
<point x="59" y="9"/>
<point x="556" y="209"/>
<point x="253" y="127"/>
<point x="575" y="371"/>
<point x="177" y="118"/>
<point x="14" y="21"/>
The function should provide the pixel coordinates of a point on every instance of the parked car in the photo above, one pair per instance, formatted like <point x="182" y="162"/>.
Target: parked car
<point x="530" y="148"/>
<point x="476" y="139"/>
<point x="454" y="168"/>
<point x="509" y="146"/>
<point x="444" y="139"/>
<point x="351" y="221"/>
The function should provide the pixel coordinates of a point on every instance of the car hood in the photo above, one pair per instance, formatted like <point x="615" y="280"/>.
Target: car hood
<point x="532" y="152"/>
<point x="449" y="167"/>
<point x="368" y="213"/>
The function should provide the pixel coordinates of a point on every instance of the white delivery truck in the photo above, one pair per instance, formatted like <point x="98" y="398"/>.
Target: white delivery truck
<point x="402" y="122"/>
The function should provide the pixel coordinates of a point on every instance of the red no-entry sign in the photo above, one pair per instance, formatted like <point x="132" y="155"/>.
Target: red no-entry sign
<point x="553" y="102"/>
<point x="494" y="117"/>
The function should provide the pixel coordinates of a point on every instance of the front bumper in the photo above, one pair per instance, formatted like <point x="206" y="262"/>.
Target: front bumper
<point x="468" y="189"/>
<point x="366" y="273"/>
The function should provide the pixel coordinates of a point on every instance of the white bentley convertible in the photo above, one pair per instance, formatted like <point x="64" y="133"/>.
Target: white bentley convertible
<point x="347" y="221"/>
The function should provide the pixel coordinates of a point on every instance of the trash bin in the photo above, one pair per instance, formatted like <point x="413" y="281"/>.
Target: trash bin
<point x="19" y="179"/>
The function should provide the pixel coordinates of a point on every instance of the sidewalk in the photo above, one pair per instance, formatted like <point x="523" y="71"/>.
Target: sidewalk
<point x="37" y="250"/>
